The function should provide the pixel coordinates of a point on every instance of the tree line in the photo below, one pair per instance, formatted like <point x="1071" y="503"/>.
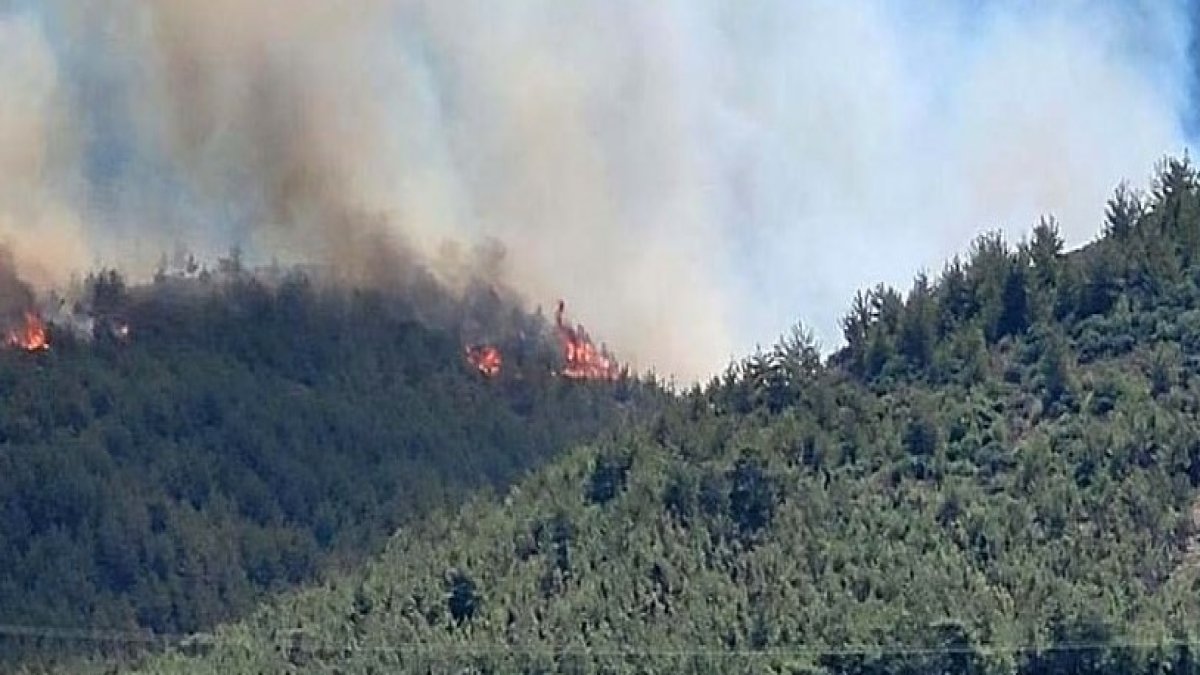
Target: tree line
<point x="997" y="473"/>
<point x="246" y="437"/>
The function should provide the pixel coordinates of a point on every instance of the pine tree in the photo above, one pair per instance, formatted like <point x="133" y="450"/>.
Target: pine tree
<point x="1123" y="213"/>
<point x="1058" y="381"/>
<point x="1014" y="303"/>
<point x="918" y="330"/>
<point x="856" y="329"/>
<point x="955" y="301"/>
<point x="462" y="597"/>
<point x="1045" y="252"/>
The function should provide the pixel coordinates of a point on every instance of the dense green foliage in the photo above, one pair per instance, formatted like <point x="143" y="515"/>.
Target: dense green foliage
<point x="246" y="437"/>
<point x="996" y="474"/>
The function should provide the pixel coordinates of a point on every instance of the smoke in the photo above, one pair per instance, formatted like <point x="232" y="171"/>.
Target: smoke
<point x="692" y="176"/>
<point x="15" y="295"/>
<point x="35" y="220"/>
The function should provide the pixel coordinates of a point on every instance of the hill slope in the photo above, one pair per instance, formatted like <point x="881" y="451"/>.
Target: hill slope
<point x="997" y="474"/>
<point x="245" y="437"/>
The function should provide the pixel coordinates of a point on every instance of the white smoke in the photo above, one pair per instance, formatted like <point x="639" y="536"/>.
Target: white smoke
<point x="692" y="176"/>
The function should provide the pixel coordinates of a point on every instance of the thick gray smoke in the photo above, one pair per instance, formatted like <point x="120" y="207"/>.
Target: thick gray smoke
<point x="691" y="176"/>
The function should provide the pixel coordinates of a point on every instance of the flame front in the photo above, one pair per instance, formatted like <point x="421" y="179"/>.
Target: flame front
<point x="486" y="359"/>
<point x="584" y="360"/>
<point x="31" y="335"/>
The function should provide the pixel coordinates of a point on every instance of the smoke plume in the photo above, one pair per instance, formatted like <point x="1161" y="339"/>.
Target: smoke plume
<point x="691" y="176"/>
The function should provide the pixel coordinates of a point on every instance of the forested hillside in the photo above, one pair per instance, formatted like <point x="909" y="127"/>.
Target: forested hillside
<point x="211" y="439"/>
<point x="997" y="474"/>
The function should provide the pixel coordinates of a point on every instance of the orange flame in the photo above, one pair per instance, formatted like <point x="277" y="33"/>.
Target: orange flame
<point x="584" y="360"/>
<point x="485" y="358"/>
<point x="30" y="336"/>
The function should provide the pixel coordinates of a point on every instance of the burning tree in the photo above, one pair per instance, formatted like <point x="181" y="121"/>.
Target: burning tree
<point x="583" y="359"/>
<point x="31" y="335"/>
<point x="486" y="358"/>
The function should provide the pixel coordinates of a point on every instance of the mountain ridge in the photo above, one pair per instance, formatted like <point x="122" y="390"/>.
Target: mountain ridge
<point x="997" y="474"/>
<point x="239" y="438"/>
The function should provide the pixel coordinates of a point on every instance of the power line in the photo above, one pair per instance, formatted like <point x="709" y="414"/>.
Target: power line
<point x="305" y="642"/>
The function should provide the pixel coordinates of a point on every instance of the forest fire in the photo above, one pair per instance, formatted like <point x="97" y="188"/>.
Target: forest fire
<point x="486" y="358"/>
<point x="584" y="360"/>
<point x="30" y="336"/>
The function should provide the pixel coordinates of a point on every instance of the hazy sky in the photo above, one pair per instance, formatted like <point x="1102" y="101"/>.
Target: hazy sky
<point x="692" y="176"/>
